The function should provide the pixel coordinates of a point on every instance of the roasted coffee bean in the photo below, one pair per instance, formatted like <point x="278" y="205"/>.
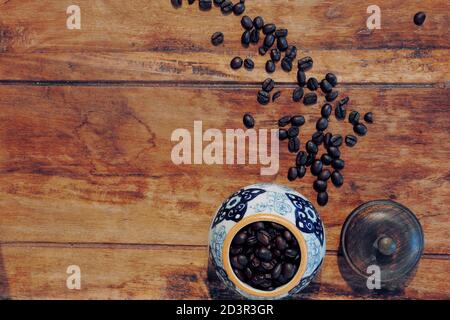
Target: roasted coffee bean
<point x="263" y="97"/>
<point x="353" y="117"/>
<point x="368" y="117"/>
<point x="310" y="159"/>
<point x="311" y="147"/>
<point x="300" y="160"/>
<point x="251" y="241"/>
<point x="360" y="129"/>
<point x="276" y="272"/>
<point x="257" y="226"/>
<point x="324" y="175"/>
<point x="320" y="185"/>
<point x="332" y="79"/>
<point x="281" y="243"/>
<point x="344" y="101"/>
<point x="334" y="152"/>
<point x="276" y="95"/>
<point x="218" y="2"/>
<point x="337" y="179"/>
<point x="264" y="254"/>
<point x="305" y="63"/>
<point x="291" y="52"/>
<point x="248" y="273"/>
<point x="288" y="236"/>
<point x="325" y="86"/>
<point x="247" y="23"/>
<point x="292" y="173"/>
<point x="294" y="144"/>
<point x="336" y="140"/>
<point x="269" y="28"/>
<point x="338" y="164"/>
<point x="267" y="266"/>
<point x="288" y="270"/>
<point x="301" y="78"/>
<point x="351" y="140"/>
<point x="269" y="40"/>
<point x="235" y="263"/>
<point x="217" y="38"/>
<point x="249" y="64"/>
<point x="236" y="250"/>
<point x="268" y="85"/>
<point x="263" y="237"/>
<point x="236" y="63"/>
<point x="239" y="274"/>
<point x="262" y="51"/>
<point x="282" y="134"/>
<point x="331" y="96"/>
<point x="298" y="121"/>
<point x="312" y="84"/>
<point x="275" y="55"/>
<point x="270" y="66"/>
<point x="226" y="6"/>
<point x="301" y="171"/>
<point x="243" y="260"/>
<point x="176" y="3"/>
<point x="191" y="1"/>
<point x="286" y="64"/>
<point x="291" y="253"/>
<point x="248" y="120"/>
<point x="205" y="4"/>
<point x="340" y="112"/>
<point x="322" y="124"/>
<point x="277" y="226"/>
<point x="310" y="98"/>
<point x="279" y="33"/>
<point x="322" y="199"/>
<point x="327" y="139"/>
<point x="298" y="94"/>
<point x="326" y="159"/>
<point x="258" y="23"/>
<point x="239" y="8"/>
<point x="282" y="44"/>
<point x="293" y="132"/>
<point x="254" y="36"/>
<point x="284" y="121"/>
<point x="245" y="38"/>
<point x="326" y="110"/>
<point x="419" y="18"/>
<point x="316" y="167"/>
<point x="317" y="137"/>
<point x="240" y="238"/>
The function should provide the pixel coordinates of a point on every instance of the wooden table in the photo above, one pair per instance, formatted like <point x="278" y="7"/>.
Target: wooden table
<point x="87" y="116"/>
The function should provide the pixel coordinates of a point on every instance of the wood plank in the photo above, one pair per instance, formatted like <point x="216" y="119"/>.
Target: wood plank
<point x="352" y="66"/>
<point x="92" y="164"/>
<point x="36" y="272"/>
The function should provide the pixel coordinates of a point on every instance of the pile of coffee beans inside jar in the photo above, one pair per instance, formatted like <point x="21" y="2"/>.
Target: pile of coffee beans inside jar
<point x="272" y="40"/>
<point x="265" y="255"/>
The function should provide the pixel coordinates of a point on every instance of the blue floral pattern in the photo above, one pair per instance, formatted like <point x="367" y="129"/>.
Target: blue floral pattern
<point x="218" y="238"/>
<point x="276" y="202"/>
<point x="234" y="207"/>
<point x="306" y="218"/>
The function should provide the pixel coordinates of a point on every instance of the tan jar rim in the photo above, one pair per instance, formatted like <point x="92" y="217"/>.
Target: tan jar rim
<point x="249" y="289"/>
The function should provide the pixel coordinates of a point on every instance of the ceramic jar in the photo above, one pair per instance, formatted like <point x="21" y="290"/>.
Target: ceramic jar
<point x="274" y="203"/>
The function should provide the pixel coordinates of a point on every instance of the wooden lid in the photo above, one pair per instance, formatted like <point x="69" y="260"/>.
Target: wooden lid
<point x="382" y="233"/>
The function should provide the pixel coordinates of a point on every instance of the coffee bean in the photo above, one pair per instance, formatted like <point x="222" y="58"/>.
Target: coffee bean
<point x="286" y="64"/>
<point x="331" y="96"/>
<point x="316" y="167"/>
<point x="275" y="55"/>
<point x="247" y="23"/>
<point x="291" y="52"/>
<point x="325" y="86"/>
<point x="326" y="110"/>
<point x="226" y="7"/>
<point x="269" y="28"/>
<point x="239" y="8"/>
<point x="284" y="121"/>
<point x="262" y="51"/>
<point x="270" y="66"/>
<point x="276" y="272"/>
<point x="282" y="44"/>
<point x="351" y="140"/>
<point x="294" y="145"/>
<point x="217" y="38"/>
<point x="245" y="38"/>
<point x="324" y="175"/>
<point x="269" y="40"/>
<point x="344" y="101"/>
<point x="248" y="273"/>
<point x="301" y="171"/>
<point x="254" y="36"/>
<point x="368" y="117"/>
<point x="236" y="63"/>
<point x="332" y="79"/>
<point x="360" y="129"/>
<point x="322" y="199"/>
<point x="276" y="95"/>
<point x="268" y="85"/>
<point x="301" y="158"/>
<point x="267" y="266"/>
<point x="288" y="270"/>
<point x="288" y="236"/>
<point x="249" y="64"/>
<point x="326" y="159"/>
<point x="236" y="250"/>
<point x="311" y="147"/>
<point x="327" y="139"/>
<point x="305" y="63"/>
<point x="218" y="2"/>
<point x="337" y="179"/>
<point x="340" y="112"/>
<point x="264" y="237"/>
<point x="235" y="263"/>
<point x="248" y="120"/>
<point x="176" y="3"/>
<point x="282" y="134"/>
<point x="291" y="253"/>
<point x="298" y="121"/>
<point x="191" y="1"/>
<point x="322" y="124"/>
<point x="292" y="174"/>
<point x="263" y="97"/>
<point x="281" y="243"/>
<point x="293" y="132"/>
<point x="243" y="260"/>
<point x="279" y="33"/>
<point x="310" y="159"/>
<point x="205" y="4"/>
<point x="310" y="98"/>
<point x="258" y="23"/>
<point x="317" y="137"/>
<point x="334" y="152"/>
<point x="320" y="185"/>
<point x="251" y="241"/>
<point x="298" y="94"/>
<point x="353" y="118"/>
<point x="240" y="238"/>
<point x="264" y="254"/>
<point x="301" y="78"/>
<point x="336" y="140"/>
<point x="419" y="18"/>
<point x="338" y="164"/>
<point x="312" y="84"/>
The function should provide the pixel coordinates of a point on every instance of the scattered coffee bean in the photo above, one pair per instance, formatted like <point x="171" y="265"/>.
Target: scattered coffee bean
<point x="298" y="94"/>
<point x="331" y="96"/>
<point x="191" y="1"/>
<point x="322" y="199"/>
<point x="281" y="33"/>
<point x="301" y="78"/>
<point x="301" y="158"/>
<point x="305" y="63"/>
<point x="360" y="129"/>
<point x="332" y="79"/>
<point x="322" y="124"/>
<point x="326" y="159"/>
<point x="291" y="52"/>
<point x="176" y="3"/>
<point x="326" y="110"/>
<point x="205" y="4"/>
<point x="294" y="145"/>
<point x="226" y="7"/>
<point x="270" y="66"/>
<point x="301" y="171"/>
<point x="286" y="64"/>
<point x="298" y="121"/>
<point x="239" y="8"/>
<point x="258" y="23"/>
<point x="320" y="185"/>
<point x="247" y="23"/>
<point x="268" y="85"/>
<point x="336" y="140"/>
<point x="334" y="152"/>
<point x="263" y="97"/>
<point x="284" y="121"/>
<point x="310" y="98"/>
<point x="269" y="40"/>
<point x="254" y="36"/>
<point x="327" y="139"/>
<point x="275" y="55"/>
<point x="325" y="86"/>
<point x="282" y="44"/>
<point x="236" y="63"/>
<point x="337" y="179"/>
<point x="218" y="2"/>
<point x="311" y="147"/>
<point x="249" y="64"/>
<point x="324" y="175"/>
<point x="419" y="18"/>
<point x="276" y="95"/>
<point x="317" y="137"/>
<point x="368" y="117"/>
<point x="262" y="51"/>
<point x="217" y="38"/>
<point x="338" y="164"/>
<point x="246" y="38"/>
<point x="353" y="117"/>
<point x="312" y="84"/>
<point x="351" y="140"/>
<point x="248" y="120"/>
<point x="293" y="132"/>
<point x="310" y="159"/>
<point x="282" y="134"/>
<point x="340" y="112"/>
<point x="292" y="173"/>
<point x="316" y="167"/>
<point x="269" y="28"/>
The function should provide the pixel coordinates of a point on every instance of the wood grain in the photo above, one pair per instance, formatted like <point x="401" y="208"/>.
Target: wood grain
<point x="85" y="164"/>
<point x="39" y="272"/>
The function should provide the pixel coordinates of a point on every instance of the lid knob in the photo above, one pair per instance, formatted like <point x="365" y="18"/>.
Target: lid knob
<point x="386" y="246"/>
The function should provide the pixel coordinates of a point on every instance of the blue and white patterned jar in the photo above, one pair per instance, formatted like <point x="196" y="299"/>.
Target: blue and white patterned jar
<point x="274" y="203"/>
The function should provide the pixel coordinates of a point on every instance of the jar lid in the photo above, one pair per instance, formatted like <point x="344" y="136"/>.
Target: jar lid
<point x="382" y="233"/>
